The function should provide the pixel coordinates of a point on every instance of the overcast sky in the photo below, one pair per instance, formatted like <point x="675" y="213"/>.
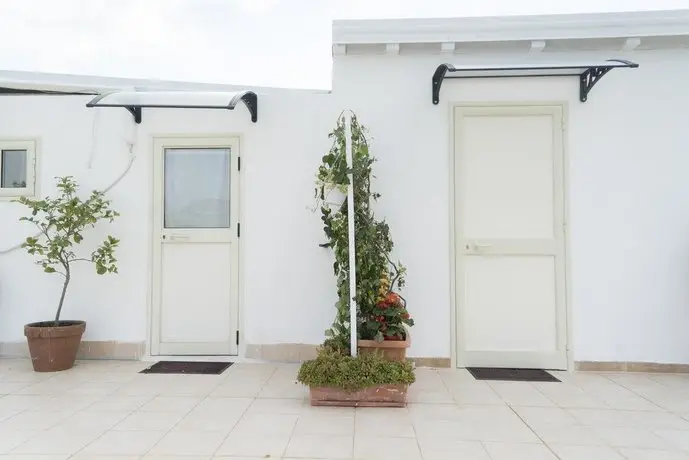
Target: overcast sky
<point x="260" y="42"/>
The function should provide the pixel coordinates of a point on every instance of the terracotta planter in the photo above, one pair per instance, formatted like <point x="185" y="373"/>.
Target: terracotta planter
<point x="54" y="348"/>
<point x="393" y="350"/>
<point x="378" y="396"/>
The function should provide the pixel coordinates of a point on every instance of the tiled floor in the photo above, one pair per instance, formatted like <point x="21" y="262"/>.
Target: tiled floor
<point x="106" y="410"/>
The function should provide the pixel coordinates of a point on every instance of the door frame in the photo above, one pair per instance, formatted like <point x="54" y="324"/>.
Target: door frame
<point x="160" y="140"/>
<point x="452" y="259"/>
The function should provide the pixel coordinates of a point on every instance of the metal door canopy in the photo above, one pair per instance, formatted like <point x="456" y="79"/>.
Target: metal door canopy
<point x="589" y="73"/>
<point x="134" y="101"/>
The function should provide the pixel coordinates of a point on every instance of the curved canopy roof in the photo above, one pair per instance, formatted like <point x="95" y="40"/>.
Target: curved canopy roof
<point x="134" y="101"/>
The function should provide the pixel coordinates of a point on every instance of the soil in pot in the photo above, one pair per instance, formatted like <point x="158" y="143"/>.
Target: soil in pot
<point x="54" y="346"/>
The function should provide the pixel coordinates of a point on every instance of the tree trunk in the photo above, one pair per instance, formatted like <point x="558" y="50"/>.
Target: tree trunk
<point x="62" y="297"/>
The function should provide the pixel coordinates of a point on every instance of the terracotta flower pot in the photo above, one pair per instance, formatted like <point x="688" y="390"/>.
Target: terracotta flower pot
<point x="377" y="396"/>
<point x="54" y="348"/>
<point x="393" y="350"/>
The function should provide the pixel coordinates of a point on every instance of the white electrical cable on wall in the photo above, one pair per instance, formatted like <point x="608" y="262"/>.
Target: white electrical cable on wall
<point x="131" y="142"/>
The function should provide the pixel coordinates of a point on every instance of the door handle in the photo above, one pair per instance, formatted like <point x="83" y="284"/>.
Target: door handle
<point x="477" y="246"/>
<point x="176" y="237"/>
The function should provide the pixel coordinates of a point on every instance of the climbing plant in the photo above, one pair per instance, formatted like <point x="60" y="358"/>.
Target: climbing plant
<point x="381" y="312"/>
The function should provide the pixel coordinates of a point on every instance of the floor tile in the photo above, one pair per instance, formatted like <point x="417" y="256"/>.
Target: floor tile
<point x="475" y="394"/>
<point x="645" y="454"/>
<point x="327" y="423"/>
<point x="93" y="420"/>
<point x="571" y="435"/>
<point x="266" y="424"/>
<point x="34" y="457"/>
<point x="277" y="406"/>
<point x="632" y="437"/>
<point x="382" y="448"/>
<point x="679" y="439"/>
<point x="284" y="390"/>
<point x="149" y="421"/>
<point x="178" y="457"/>
<point x="602" y="417"/>
<point x="11" y="439"/>
<point x="416" y="395"/>
<point x="508" y="432"/>
<point x="94" y="388"/>
<point x="459" y="430"/>
<point x="520" y="394"/>
<point x="34" y="420"/>
<point x="82" y="456"/>
<point x="253" y="446"/>
<point x="449" y="448"/>
<point x="111" y="412"/>
<point x="383" y="424"/>
<point x="181" y="404"/>
<point x="213" y="405"/>
<point x="188" y="443"/>
<point x="124" y="442"/>
<point x="545" y="416"/>
<point x="512" y="451"/>
<point x="245" y="390"/>
<point x="585" y="452"/>
<point x="200" y="421"/>
<point x="320" y="446"/>
<point x="57" y="441"/>
<point x="426" y="412"/>
<point x="120" y="403"/>
<point x="12" y="387"/>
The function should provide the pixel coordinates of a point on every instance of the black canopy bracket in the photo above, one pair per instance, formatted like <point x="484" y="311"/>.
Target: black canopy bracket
<point x="135" y="101"/>
<point x="136" y="113"/>
<point x="588" y="79"/>
<point x="589" y="74"/>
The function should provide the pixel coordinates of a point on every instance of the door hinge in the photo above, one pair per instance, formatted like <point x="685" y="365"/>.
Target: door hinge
<point x="237" y="337"/>
<point x="239" y="229"/>
<point x="239" y="163"/>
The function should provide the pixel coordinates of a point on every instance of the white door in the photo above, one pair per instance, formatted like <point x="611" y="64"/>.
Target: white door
<point x="510" y="246"/>
<point x="195" y="286"/>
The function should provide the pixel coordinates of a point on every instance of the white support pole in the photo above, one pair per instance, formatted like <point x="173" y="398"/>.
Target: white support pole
<point x="351" y="237"/>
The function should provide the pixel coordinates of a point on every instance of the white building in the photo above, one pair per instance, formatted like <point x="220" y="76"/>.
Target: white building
<point x="538" y="230"/>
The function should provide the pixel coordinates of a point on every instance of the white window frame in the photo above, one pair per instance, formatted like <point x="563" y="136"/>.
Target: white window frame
<point x="30" y="146"/>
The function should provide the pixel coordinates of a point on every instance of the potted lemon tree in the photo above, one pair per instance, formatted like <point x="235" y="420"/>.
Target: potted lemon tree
<point x="380" y="374"/>
<point x="62" y="221"/>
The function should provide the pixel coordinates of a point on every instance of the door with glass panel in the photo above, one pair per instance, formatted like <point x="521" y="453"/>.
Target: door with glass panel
<point x="195" y="246"/>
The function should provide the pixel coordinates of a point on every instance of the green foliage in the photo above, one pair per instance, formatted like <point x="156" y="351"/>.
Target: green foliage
<point x="376" y="274"/>
<point x="335" y="369"/>
<point x="62" y="221"/>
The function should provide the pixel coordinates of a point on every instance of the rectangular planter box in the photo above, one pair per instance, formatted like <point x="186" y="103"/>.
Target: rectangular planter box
<point x="378" y="396"/>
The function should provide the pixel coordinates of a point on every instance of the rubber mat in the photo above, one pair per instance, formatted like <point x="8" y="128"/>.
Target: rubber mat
<point x="511" y="374"/>
<point x="187" y="367"/>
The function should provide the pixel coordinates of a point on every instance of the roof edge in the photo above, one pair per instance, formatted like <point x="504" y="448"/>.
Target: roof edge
<point x="91" y="83"/>
<point x="512" y="28"/>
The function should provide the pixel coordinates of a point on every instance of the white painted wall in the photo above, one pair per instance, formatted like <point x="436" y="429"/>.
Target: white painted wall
<point x="629" y="220"/>
<point x="628" y="163"/>
<point x="288" y="292"/>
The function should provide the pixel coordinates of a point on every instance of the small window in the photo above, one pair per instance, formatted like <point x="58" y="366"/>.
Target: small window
<point x="17" y="168"/>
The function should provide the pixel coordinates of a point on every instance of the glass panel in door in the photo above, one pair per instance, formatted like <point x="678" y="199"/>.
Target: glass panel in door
<point x="197" y="188"/>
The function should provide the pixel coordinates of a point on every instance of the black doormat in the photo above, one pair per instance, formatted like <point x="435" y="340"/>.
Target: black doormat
<point x="515" y="375"/>
<point x="187" y="367"/>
